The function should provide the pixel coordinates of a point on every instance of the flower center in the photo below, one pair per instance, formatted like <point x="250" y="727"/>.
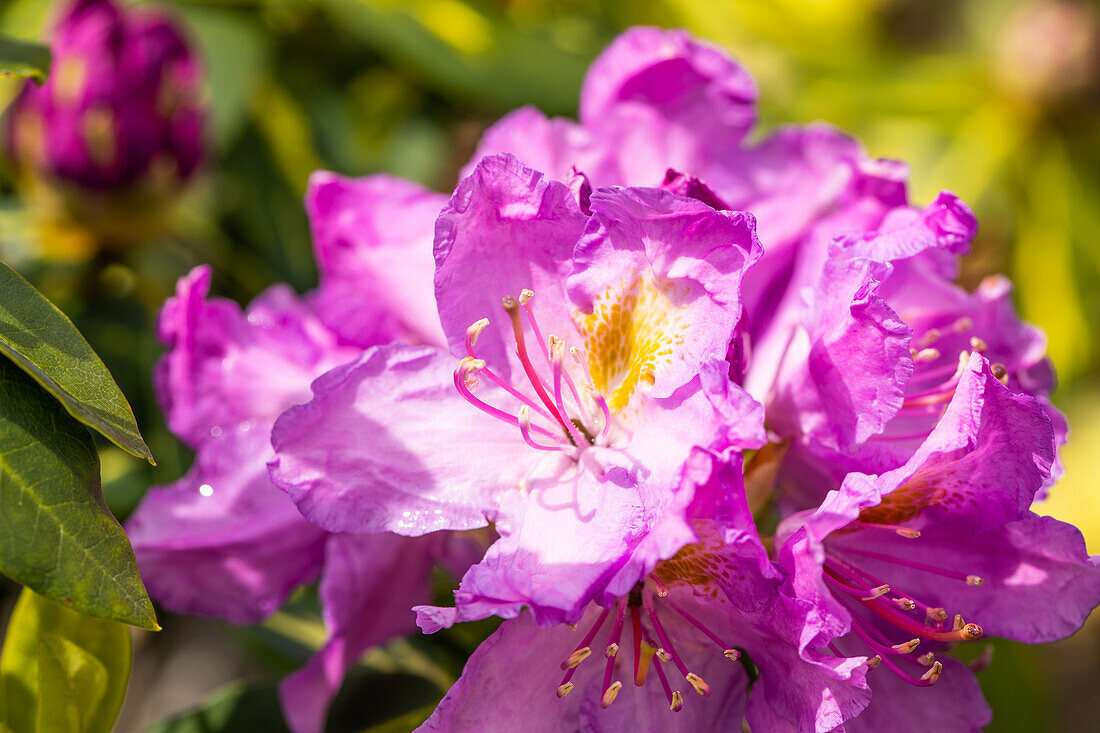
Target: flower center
<point x="568" y="418"/>
<point x="652" y="646"/>
<point x="857" y="588"/>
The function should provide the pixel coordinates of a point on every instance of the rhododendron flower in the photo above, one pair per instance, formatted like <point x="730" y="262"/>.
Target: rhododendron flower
<point x="585" y="365"/>
<point x="222" y="540"/>
<point x="945" y="548"/>
<point x="121" y="107"/>
<point x="680" y="640"/>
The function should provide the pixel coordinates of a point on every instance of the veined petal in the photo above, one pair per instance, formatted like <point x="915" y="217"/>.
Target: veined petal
<point x="506" y="229"/>
<point x="1038" y="582"/>
<point x="656" y="282"/>
<point x="372" y="237"/>
<point x="387" y="444"/>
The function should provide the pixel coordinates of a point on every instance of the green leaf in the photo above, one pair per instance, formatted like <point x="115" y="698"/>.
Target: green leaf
<point x="56" y="533"/>
<point x="42" y="340"/>
<point x="62" y="671"/>
<point x="23" y="59"/>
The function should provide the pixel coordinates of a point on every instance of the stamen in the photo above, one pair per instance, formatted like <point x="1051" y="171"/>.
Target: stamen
<point x="863" y="594"/>
<point x="727" y="649"/>
<point x="935" y="615"/>
<point x="912" y="564"/>
<point x="525" y="431"/>
<point x="611" y="690"/>
<point x="930" y="337"/>
<point x="905" y="604"/>
<point x="874" y="661"/>
<point x="968" y="632"/>
<point x="906" y="532"/>
<point x="675" y="699"/>
<point x="556" y="351"/>
<point x="512" y="308"/>
<point x="590" y="389"/>
<point x="472" y="334"/>
<point x="583" y="650"/>
<point x="978" y="345"/>
<point x="661" y="588"/>
<point x="927" y="659"/>
<point x="610" y="694"/>
<point x="696" y="681"/>
<point x="974" y="580"/>
<point x="565" y="689"/>
<point x="963" y="324"/>
<point x="577" y="657"/>
<point x="926" y="355"/>
<point x="933" y="674"/>
<point x="864" y="633"/>
<point x="926" y="680"/>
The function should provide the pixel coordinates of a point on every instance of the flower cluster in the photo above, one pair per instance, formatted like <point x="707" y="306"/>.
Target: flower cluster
<point x="742" y="448"/>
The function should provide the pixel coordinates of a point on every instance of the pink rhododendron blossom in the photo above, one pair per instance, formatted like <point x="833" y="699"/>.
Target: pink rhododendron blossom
<point x="585" y="365"/>
<point x="222" y="541"/>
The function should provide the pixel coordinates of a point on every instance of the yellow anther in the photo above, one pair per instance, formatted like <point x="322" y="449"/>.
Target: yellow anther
<point x="475" y="330"/>
<point x="933" y="674"/>
<point x="877" y="592"/>
<point x="565" y="689"/>
<point x="926" y="355"/>
<point x="677" y="702"/>
<point x="697" y="682"/>
<point x="908" y="646"/>
<point x="908" y="533"/>
<point x="611" y="650"/>
<point x="874" y="661"/>
<point x="978" y="344"/>
<point x="664" y="656"/>
<point x="577" y="657"/>
<point x="525" y="296"/>
<point x="732" y="654"/>
<point x="963" y="324"/>
<point x="974" y="580"/>
<point x="927" y="659"/>
<point x="611" y="694"/>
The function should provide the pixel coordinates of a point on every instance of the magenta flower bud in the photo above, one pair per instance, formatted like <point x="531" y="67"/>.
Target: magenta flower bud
<point x="121" y="108"/>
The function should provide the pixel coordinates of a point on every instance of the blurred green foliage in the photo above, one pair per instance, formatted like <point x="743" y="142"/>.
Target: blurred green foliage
<point x="997" y="100"/>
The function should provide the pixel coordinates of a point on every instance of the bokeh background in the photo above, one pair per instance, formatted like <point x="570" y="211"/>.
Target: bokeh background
<point x="997" y="100"/>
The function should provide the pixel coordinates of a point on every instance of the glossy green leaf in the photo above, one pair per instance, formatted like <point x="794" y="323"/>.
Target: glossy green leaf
<point x="23" y="59"/>
<point x="42" y="340"/>
<point x="56" y="533"/>
<point x="62" y="671"/>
